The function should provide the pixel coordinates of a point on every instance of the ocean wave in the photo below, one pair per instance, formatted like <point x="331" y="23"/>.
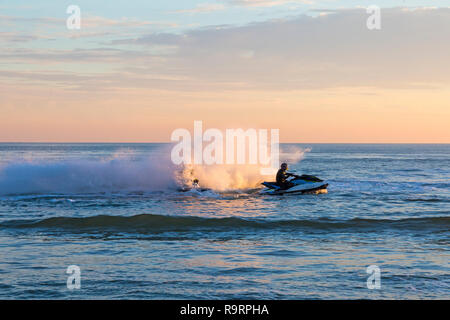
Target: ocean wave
<point x="426" y="200"/>
<point x="152" y="222"/>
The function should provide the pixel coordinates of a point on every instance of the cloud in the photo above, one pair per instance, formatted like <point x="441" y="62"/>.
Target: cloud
<point x="317" y="52"/>
<point x="98" y="21"/>
<point x="211" y="7"/>
<point x="300" y="53"/>
<point x="18" y="37"/>
<point x="203" y="8"/>
<point x="41" y="20"/>
<point x="265" y="3"/>
<point x="88" y="21"/>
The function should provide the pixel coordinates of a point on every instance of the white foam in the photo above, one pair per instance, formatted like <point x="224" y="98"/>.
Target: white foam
<point x="85" y="176"/>
<point x="122" y="172"/>
<point x="226" y="177"/>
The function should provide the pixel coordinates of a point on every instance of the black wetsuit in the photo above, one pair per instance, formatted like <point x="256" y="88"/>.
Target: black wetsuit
<point x="281" y="179"/>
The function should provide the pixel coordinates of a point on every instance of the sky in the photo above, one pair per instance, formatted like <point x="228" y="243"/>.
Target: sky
<point x="137" y="70"/>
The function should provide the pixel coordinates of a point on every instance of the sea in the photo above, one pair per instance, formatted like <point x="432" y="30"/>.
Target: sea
<point x="111" y="221"/>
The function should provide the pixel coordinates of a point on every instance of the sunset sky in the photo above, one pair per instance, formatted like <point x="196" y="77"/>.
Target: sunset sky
<point x="138" y="69"/>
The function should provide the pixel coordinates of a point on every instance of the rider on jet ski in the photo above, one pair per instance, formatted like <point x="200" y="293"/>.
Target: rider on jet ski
<point x="282" y="176"/>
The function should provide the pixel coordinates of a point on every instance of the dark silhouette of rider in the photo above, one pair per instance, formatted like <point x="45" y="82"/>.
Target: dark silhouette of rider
<point x="282" y="176"/>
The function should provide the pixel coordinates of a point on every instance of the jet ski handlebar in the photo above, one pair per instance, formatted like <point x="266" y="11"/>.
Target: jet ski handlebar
<point x="292" y="175"/>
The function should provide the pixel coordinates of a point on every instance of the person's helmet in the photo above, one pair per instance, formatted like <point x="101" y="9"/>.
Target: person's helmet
<point x="284" y="165"/>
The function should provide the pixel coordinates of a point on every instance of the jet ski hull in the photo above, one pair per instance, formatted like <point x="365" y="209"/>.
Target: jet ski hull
<point x="311" y="189"/>
<point x="301" y="185"/>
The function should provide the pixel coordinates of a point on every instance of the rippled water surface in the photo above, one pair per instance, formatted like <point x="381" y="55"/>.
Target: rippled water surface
<point x="114" y="211"/>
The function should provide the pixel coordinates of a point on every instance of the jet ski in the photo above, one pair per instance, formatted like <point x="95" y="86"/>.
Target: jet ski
<point x="303" y="184"/>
